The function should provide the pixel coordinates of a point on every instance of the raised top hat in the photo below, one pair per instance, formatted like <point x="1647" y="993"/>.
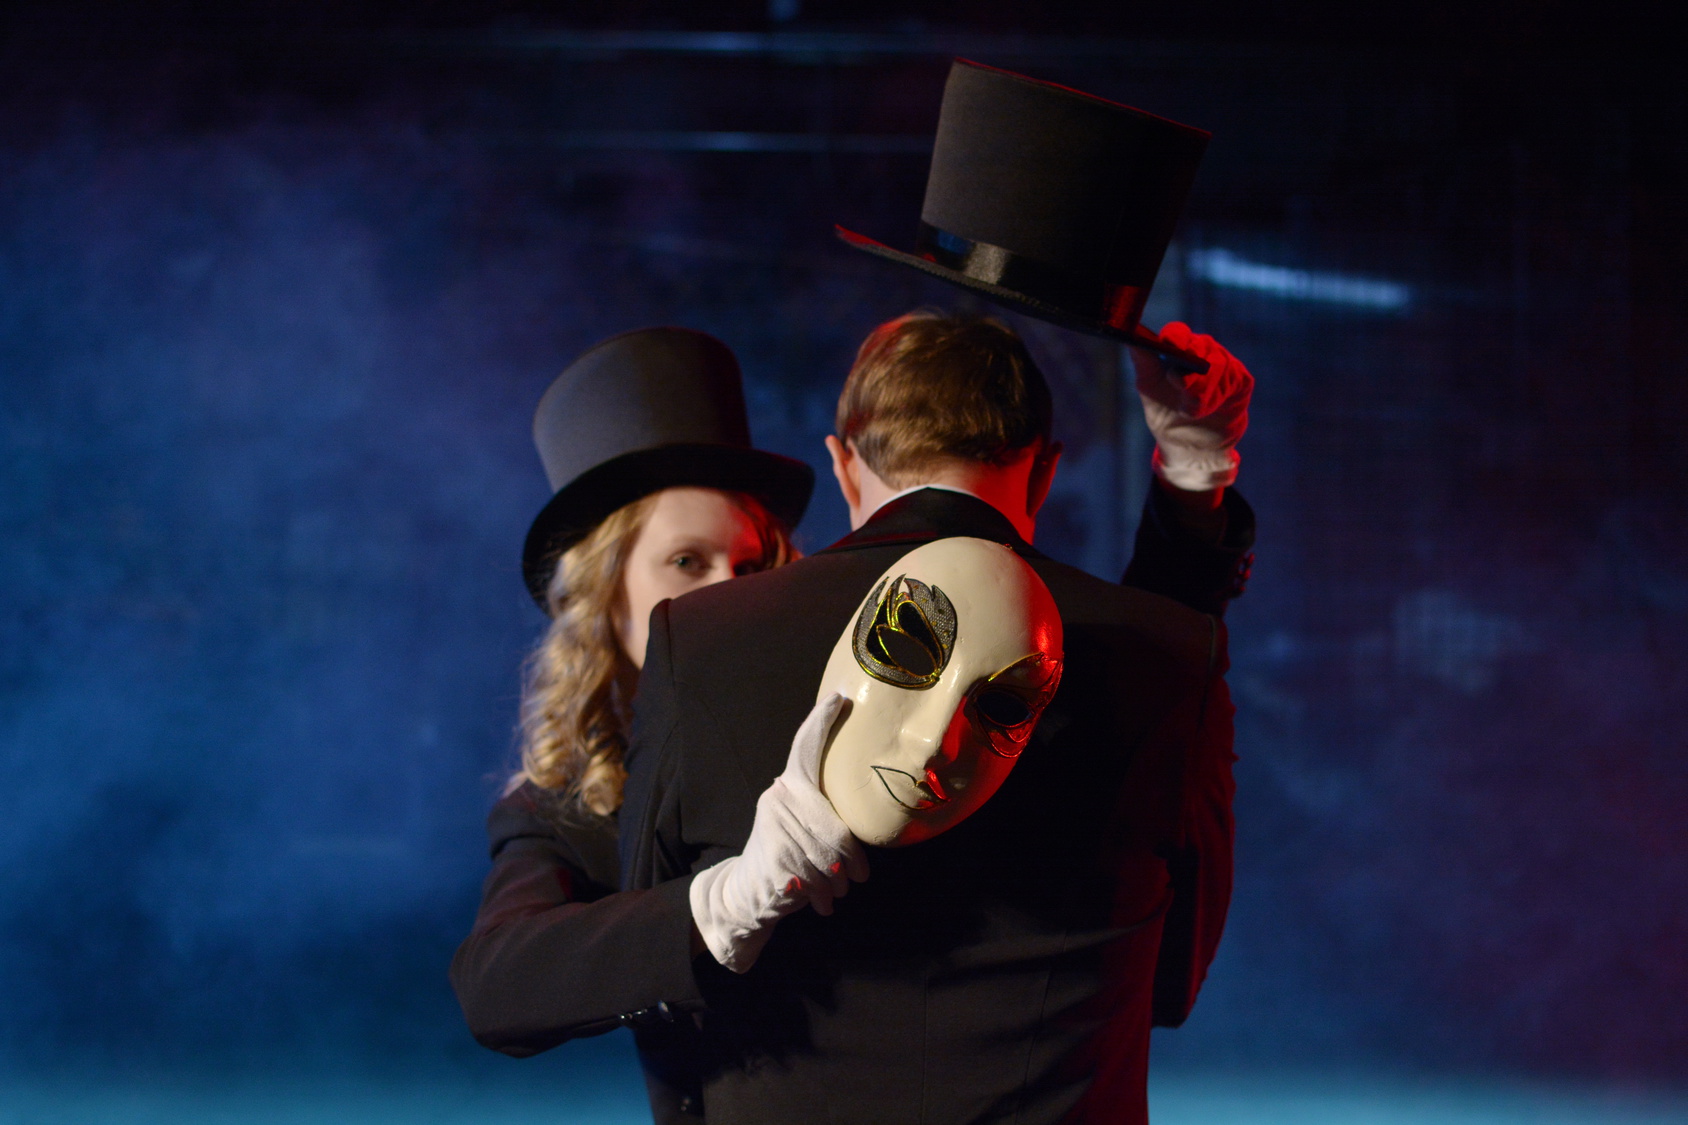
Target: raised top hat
<point x="647" y="410"/>
<point x="1052" y="202"/>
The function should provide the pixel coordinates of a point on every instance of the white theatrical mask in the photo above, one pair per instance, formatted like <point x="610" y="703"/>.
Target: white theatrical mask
<point x="947" y="664"/>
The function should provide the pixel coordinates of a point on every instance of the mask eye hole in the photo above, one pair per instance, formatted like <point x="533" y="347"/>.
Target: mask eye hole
<point x="905" y="633"/>
<point x="1002" y="708"/>
<point x="911" y="621"/>
<point x="905" y="649"/>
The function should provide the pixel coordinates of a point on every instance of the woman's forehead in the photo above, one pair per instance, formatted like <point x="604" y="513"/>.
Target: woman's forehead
<point x="699" y="514"/>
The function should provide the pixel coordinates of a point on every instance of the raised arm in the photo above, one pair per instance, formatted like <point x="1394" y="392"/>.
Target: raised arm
<point x="1202" y="561"/>
<point x="1195" y="539"/>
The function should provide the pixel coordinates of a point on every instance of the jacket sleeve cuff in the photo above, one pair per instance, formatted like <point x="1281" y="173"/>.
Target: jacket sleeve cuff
<point x="671" y="920"/>
<point x="1170" y="560"/>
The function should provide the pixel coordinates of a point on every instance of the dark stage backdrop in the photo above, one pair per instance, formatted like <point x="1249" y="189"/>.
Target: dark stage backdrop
<point x="273" y="318"/>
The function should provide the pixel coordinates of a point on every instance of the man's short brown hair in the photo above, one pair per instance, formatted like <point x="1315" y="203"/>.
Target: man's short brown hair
<point x="928" y="387"/>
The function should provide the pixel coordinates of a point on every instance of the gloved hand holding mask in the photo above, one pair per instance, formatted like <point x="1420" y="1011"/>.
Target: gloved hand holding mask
<point x="941" y="676"/>
<point x="799" y="854"/>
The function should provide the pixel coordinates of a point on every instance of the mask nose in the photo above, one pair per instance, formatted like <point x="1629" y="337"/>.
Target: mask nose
<point x="915" y="748"/>
<point x="941" y="762"/>
<point x="923" y="739"/>
<point x="945" y="767"/>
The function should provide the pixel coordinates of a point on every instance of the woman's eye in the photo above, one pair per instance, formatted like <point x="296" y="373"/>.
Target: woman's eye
<point x="1003" y="708"/>
<point x="686" y="562"/>
<point x="745" y="568"/>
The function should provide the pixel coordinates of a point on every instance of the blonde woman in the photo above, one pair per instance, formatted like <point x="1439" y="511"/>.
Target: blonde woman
<point x="657" y="492"/>
<point x="584" y="673"/>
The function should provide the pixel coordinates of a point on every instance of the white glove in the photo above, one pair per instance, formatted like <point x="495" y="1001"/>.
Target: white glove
<point x="798" y="853"/>
<point x="1197" y="420"/>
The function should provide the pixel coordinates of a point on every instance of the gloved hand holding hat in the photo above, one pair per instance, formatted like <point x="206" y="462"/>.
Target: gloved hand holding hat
<point x="1197" y="418"/>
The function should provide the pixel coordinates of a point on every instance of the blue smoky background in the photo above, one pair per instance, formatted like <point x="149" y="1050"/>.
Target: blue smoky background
<point x="279" y="289"/>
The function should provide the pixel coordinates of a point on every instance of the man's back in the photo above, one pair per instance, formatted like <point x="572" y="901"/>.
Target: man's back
<point x="1006" y="970"/>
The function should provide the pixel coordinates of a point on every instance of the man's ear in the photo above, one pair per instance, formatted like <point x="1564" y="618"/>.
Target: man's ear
<point x="846" y="470"/>
<point x="1042" y="475"/>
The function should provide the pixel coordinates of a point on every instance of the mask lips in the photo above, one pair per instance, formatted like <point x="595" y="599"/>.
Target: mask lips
<point x="910" y="792"/>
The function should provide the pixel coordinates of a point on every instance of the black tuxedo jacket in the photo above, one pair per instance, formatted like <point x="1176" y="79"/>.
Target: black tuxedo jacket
<point x="1008" y="970"/>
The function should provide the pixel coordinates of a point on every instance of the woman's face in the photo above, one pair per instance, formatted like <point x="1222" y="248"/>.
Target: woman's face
<point x="694" y="537"/>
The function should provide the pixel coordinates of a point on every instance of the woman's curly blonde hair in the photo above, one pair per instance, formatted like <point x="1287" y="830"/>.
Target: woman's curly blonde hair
<point x="574" y="717"/>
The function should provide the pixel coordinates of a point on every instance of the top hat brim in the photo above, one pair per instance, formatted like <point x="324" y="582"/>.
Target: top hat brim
<point x="783" y="486"/>
<point x="1137" y="336"/>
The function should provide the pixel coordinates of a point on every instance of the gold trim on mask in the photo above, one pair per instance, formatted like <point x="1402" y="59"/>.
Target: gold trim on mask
<point x="905" y="633"/>
<point x="1008" y="734"/>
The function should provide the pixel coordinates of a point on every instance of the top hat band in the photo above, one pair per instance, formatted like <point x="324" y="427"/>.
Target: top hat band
<point x="1115" y="306"/>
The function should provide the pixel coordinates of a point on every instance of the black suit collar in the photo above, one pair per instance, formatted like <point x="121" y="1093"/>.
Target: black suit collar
<point x="934" y="513"/>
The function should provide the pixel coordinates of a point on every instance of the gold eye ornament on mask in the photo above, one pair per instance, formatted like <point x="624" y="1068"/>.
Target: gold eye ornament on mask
<point x="1008" y="704"/>
<point x="905" y="633"/>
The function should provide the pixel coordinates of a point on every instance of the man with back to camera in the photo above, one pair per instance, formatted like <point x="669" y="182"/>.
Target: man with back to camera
<point x="1011" y="968"/>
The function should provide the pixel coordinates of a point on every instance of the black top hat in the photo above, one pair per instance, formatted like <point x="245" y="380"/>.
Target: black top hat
<point x="1051" y="201"/>
<point x="644" y="411"/>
